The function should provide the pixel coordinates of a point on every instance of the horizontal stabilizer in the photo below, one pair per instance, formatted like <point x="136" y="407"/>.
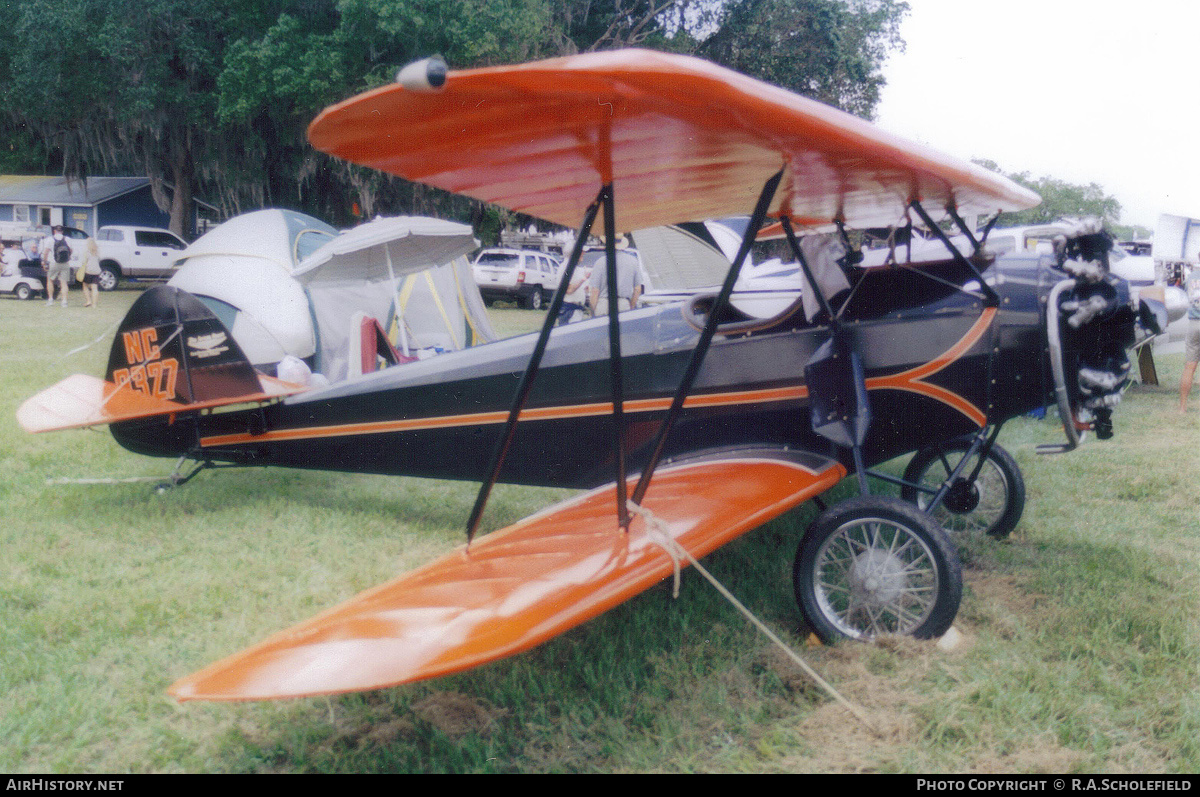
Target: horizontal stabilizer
<point x="80" y="401"/>
<point x="170" y="355"/>
<point x="517" y="587"/>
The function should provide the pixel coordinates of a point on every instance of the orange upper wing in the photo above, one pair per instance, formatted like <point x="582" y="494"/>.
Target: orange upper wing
<point x="516" y="587"/>
<point x="681" y="139"/>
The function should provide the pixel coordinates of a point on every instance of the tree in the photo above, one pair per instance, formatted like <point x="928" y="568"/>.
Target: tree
<point x="1060" y="200"/>
<point x="830" y="50"/>
<point x="611" y="24"/>
<point x="363" y="48"/>
<point x="124" y="86"/>
<point x="268" y="89"/>
<point x="22" y="151"/>
<point x="214" y="96"/>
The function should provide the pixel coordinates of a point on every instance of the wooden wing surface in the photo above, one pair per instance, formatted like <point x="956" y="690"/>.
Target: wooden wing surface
<point x="679" y="138"/>
<point x="516" y="587"/>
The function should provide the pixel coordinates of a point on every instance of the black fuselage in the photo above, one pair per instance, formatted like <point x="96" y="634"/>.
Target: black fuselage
<point x="940" y="361"/>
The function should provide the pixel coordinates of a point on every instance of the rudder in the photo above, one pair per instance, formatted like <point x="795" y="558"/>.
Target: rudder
<point x="171" y="347"/>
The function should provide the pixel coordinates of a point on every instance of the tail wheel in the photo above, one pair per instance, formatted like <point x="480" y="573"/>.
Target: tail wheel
<point x="990" y="504"/>
<point x="876" y="565"/>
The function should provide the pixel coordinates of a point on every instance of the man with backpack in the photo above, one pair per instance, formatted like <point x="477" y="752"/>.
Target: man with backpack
<point x="56" y="256"/>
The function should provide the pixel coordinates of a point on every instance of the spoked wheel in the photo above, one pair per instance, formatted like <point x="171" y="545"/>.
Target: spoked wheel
<point x="876" y="565"/>
<point x="990" y="504"/>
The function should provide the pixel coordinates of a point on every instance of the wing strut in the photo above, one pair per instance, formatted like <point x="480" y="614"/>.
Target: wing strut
<point x="798" y="253"/>
<point x="706" y="335"/>
<point x="615" y="367"/>
<point x="966" y="230"/>
<point x="535" y="360"/>
<point x="993" y="299"/>
<point x="839" y="405"/>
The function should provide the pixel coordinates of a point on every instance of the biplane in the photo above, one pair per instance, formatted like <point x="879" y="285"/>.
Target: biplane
<point x="685" y="424"/>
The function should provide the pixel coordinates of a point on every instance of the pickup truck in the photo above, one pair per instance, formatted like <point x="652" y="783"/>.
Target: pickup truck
<point x="137" y="253"/>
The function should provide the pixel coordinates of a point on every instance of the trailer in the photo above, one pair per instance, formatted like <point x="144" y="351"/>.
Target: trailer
<point x="1176" y="248"/>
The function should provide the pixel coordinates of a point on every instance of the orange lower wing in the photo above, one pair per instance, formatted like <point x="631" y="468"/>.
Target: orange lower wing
<point x="514" y="588"/>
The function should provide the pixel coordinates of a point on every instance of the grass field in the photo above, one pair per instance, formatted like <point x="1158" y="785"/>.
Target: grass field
<point x="1080" y="645"/>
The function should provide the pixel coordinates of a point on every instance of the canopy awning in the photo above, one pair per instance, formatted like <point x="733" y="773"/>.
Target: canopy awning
<point x="386" y="249"/>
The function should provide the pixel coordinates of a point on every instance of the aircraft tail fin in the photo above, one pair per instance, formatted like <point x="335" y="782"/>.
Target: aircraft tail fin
<point x="172" y="347"/>
<point x="171" y="354"/>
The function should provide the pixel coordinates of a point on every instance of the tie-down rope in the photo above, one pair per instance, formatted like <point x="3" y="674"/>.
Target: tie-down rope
<point x="105" y="335"/>
<point x="658" y="533"/>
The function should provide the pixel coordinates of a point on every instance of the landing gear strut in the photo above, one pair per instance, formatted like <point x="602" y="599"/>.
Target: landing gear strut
<point x="986" y="497"/>
<point x="178" y="477"/>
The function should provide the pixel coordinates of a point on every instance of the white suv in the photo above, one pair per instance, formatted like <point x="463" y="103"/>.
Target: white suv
<point x="530" y="278"/>
<point x="136" y="253"/>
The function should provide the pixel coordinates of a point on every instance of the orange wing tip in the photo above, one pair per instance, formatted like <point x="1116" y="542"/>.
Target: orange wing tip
<point x="515" y="588"/>
<point x="80" y="401"/>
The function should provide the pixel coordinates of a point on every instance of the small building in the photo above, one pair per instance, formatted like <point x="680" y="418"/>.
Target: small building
<point x="30" y="201"/>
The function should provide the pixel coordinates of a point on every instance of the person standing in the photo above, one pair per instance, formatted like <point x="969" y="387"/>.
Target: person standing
<point x="89" y="273"/>
<point x="56" y="256"/>
<point x="576" y="299"/>
<point x="1192" y="347"/>
<point x="44" y="255"/>
<point x="629" y="284"/>
<point x="11" y="258"/>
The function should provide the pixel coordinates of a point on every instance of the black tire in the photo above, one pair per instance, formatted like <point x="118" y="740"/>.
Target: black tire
<point x="110" y="277"/>
<point x="992" y="504"/>
<point x="534" y="300"/>
<point x="876" y="565"/>
<point x="23" y="291"/>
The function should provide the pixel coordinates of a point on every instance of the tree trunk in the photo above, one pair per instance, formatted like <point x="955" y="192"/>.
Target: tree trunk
<point x="182" y="215"/>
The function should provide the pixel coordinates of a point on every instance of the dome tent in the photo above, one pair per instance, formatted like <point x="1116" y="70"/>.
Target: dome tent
<point x="242" y="270"/>
<point x="287" y="284"/>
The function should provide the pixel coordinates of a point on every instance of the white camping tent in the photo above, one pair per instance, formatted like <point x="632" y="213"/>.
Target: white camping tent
<point x="683" y="260"/>
<point x="288" y="284"/>
<point x="411" y="274"/>
<point x="242" y="270"/>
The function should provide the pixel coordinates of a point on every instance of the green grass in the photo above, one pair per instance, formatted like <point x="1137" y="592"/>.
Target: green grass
<point x="1080" y="650"/>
